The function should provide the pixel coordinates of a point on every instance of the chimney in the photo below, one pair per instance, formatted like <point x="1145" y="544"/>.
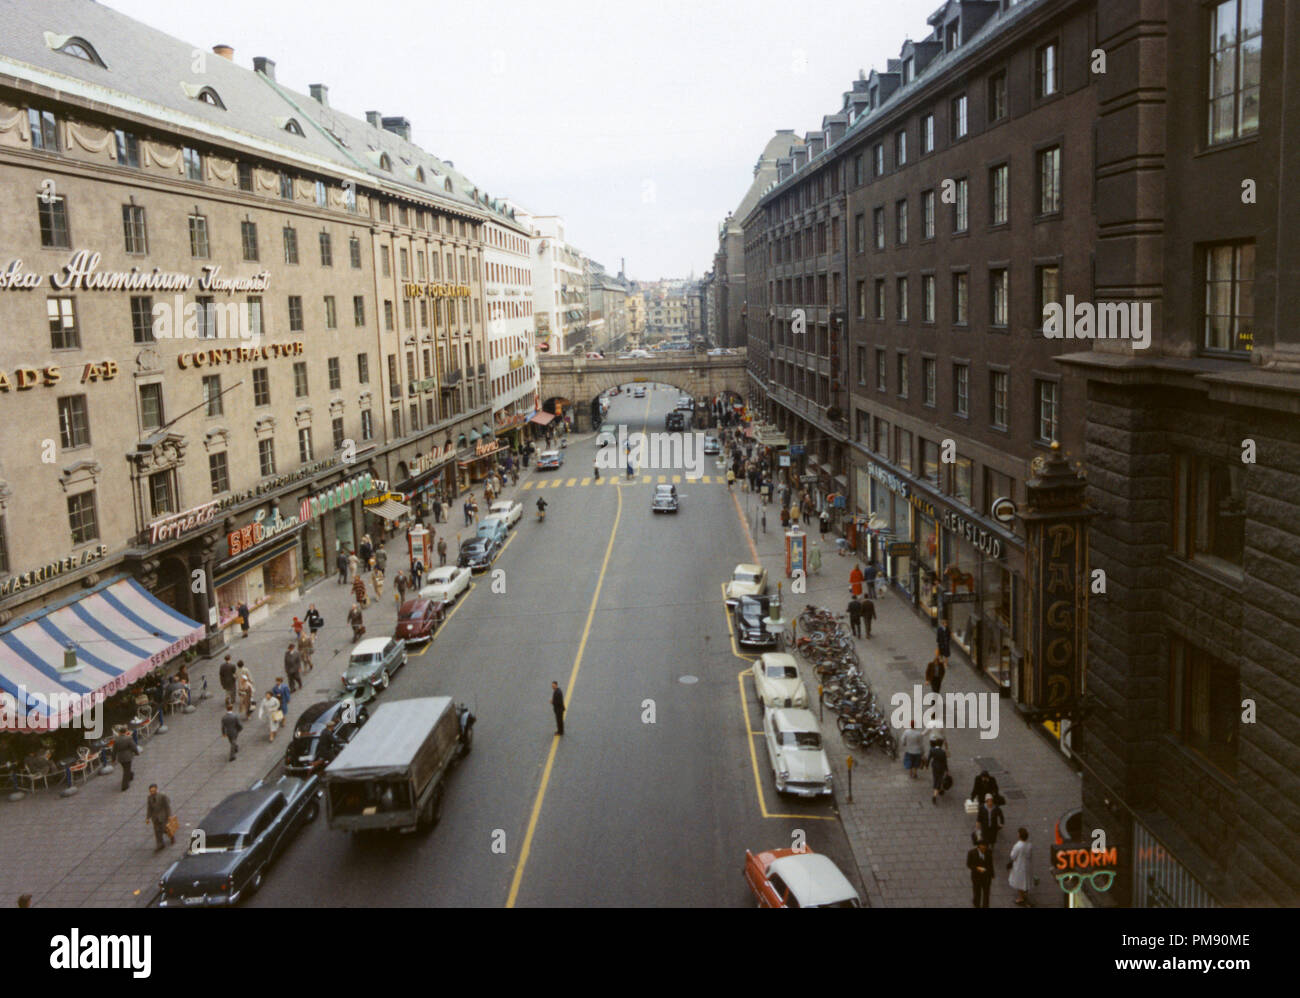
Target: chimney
<point x="320" y="93"/>
<point x="398" y="126"/>
<point x="265" y="66"/>
<point x="373" y="119"/>
<point x="225" y="51"/>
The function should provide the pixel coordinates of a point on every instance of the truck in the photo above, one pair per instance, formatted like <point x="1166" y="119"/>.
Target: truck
<point x="393" y="774"/>
<point x="677" y="421"/>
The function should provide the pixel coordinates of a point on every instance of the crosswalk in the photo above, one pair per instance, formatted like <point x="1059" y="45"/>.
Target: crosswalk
<point x="616" y="479"/>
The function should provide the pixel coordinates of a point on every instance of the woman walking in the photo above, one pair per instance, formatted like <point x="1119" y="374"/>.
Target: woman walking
<point x="938" y="764"/>
<point x="270" y="711"/>
<point x="377" y="580"/>
<point x="359" y="590"/>
<point x="244" y="687"/>
<point x="1022" y="854"/>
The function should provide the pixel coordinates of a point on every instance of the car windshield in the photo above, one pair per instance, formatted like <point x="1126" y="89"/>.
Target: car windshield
<point x="782" y="672"/>
<point x="362" y="661"/>
<point x="746" y="576"/>
<point x="301" y="746"/>
<point x="802" y="739"/>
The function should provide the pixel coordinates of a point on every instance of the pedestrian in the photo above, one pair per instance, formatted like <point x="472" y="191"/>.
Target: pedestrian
<point x="595" y="469"/>
<point x="158" y="812"/>
<point x="366" y="550"/>
<point x="314" y="620"/>
<point x="469" y="514"/>
<point x="359" y="590"/>
<point x="731" y="478"/>
<point x="869" y="579"/>
<point x="400" y="584"/>
<point x="307" y="645"/>
<point x="989" y="822"/>
<point x="557" y="705"/>
<point x="293" y="667"/>
<point x="629" y="467"/>
<point x="944" y="641"/>
<point x="980" y="864"/>
<point x="357" y="621"/>
<point x="984" y="786"/>
<point x="377" y="580"/>
<point x="437" y="510"/>
<point x="282" y="693"/>
<point x="269" y="709"/>
<point x="488" y="492"/>
<point x="297" y="626"/>
<point x="935" y="671"/>
<point x="855" y="615"/>
<point x="226" y="676"/>
<point x="1022" y="854"/>
<point x="354" y="565"/>
<point x="938" y="759"/>
<point x="814" y="558"/>
<point x="912" y="745"/>
<point x="381" y="559"/>
<point x="442" y="551"/>
<point x="342" y="562"/>
<point x="243" y="612"/>
<point x="231" y="726"/>
<point x="417" y="570"/>
<point x="244" y="684"/>
<point x="807" y="512"/>
<point x="868" y="612"/>
<point x="124" y="752"/>
<point x="785" y="518"/>
<point x="825" y="522"/>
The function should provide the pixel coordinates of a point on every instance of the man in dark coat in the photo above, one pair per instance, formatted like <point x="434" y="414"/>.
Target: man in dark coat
<point x="943" y="640"/>
<point x="868" y="611"/>
<point x="437" y="511"/>
<point x="934" y="672"/>
<point x="243" y="612"/>
<point x="231" y="726"/>
<point x="557" y="705"/>
<point x="985" y="785"/>
<point x="226" y="674"/>
<point x="293" y="667"/>
<point x="156" y="812"/>
<point x="124" y="752"/>
<point x="342" y="562"/>
<point x="855" y="615"/>
<point x="980" y="863"/>
<point x="990" y="821"/>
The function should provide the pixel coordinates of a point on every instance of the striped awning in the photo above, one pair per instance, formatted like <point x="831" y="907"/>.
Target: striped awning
<point x="119" y="631"/>
<point x="541" y="418"/>
<point x="389" y="509"/>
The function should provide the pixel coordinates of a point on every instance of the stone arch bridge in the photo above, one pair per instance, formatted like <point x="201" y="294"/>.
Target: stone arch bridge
<point x="580" y="379"/>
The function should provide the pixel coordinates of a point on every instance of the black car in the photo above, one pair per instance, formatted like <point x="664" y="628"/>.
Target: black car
<point x="747" y="615"/>
<point x="477" y="555"/>
<point x="665" y="499"/>
<point x="310" y="749"/>
<point x="236" y="842"/>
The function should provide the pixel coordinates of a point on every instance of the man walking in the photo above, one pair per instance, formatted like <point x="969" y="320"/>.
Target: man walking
<point x="342" y="562"/>
<point x="124" y="752"/>
<point x="417" y="569"/>
<point x="989" y="821"/>
<point x="469" y="512"/>
<point x="357" y="621"/>
<point x="381" y="559"/>
<point x="226" y="676"/>
<point x="934" y="672"/>
<point x="306" y="645"/>
<point x="281" y="692"/>
<point x="980" y="864"/>
<point x="855" y="615"/>
<point x="557" y="705"/>
<point x="157" y="812"/>
<point x="442" y="551"/>
<point x="437" y="510"/>
<point x="912" y="745"/>
<point x="868" y="612"/>
<point x="231" y="726"/>
<point x="400" y="584"/>
<point x="293" y="667"/>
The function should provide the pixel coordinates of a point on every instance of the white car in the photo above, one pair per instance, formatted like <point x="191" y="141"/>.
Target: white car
<point x="549" y="459"/>
<point x="638" y="392"/>
<point x="508" y="510"/>
<point x="747" y="580"/>
<point x="445" y="583"/>
<point x="777" y="682"/>
<point x="794" y="747"/>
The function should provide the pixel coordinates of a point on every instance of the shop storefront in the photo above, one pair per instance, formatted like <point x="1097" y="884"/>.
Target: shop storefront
<point x="331" y="522"/>
<point x="479" y="459"/>
<point x="262" y="568"/>
<point x="510" y="428"/>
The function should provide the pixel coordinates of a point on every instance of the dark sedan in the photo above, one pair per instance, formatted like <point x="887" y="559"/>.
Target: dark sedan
<point x="665" y="499"/>
<point x="747" y="615"/>
<point x="311" y="749"/>
<point x="418" y="619"/>
<point x="236" y="842"/>
<point x="477" y="555"/>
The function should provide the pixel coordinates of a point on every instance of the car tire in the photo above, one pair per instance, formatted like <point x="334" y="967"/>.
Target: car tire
<point x="255" y="883"/>
<point x="384" y="680"/>
<point x="311" y="812"/>
<point x="467" y="743"/>
<point x="432" y="811"/>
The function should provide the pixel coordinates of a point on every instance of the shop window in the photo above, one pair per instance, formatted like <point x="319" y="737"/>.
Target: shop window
<point x="1204" y="703"/>
<point x="1210" y="512"/>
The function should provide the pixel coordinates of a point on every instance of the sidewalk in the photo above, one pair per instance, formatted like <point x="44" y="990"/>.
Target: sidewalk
<point x="94" y="849"/>
<point x="912" y="853"/>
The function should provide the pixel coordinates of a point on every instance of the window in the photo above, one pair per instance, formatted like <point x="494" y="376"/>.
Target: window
<point x="863" y="429"/>
<point x="900" y="222"/>
<point x="193" y="160"/>
<point x="219" y="472"/>
<point x="860" y="358"/>
<point x="162" y="496"/>
<point x="902" y="375"/>
<point x="74" y="424"/>
<point x="354" y="252"/>
<point x="62" y="313"/>
<point x="151" y="406"/>
<point x="958" y="116"/>
<point x="331" y="313"/>
<point x="878" y="160"/>
<point x="862" y="299"/>
<point x="960" y="298"/>
<point x="336" y="425"/>
<point x="961" y="389"/>
<point x="206" y="313"/>
<point x="880" y="298"/>
<point x="859" y="233"/>
<point x="1230" y="297"/>
<point x="997" y="96"/>
<point x="878" y="227"/>
<point x="388" y="315"/>
<point x="142" y="319"/>
<point x="1210" y="512"/>
<point x="335" y="375"/>
<point x="326" y="250"/>
<point x="858" y="176"/>
<point x="927" y="133"/>
<point x="367" y="425"/>
<point x="998" y="294"/>
<point x="900" y="285"/>
<point x="998" y="195"/>
<point x="248" y="236"/>
<point x="81" y="518"/>
<point x="404" y="263"/>
<point x="1234" y="73"/>
<point x="397" y="422"/>
<point x="212" y="394"/>
<point x="1048" y="287"/>
<point x="199" y="246"/>
<point x="295" y="313"/>
<point x="363" y="368"/>
<point x="927" y="298"/>
<point x="927" y="214"/>
<point x="1047" y="395"/>
<point x="128" y="149"/>
<point x="1045" y="71"/>
<point x="322" y="194"/>
<point x="929" y="461"/>
<point x="300" y="379"/>
<point x="44" y="128"/>
<point x="133" y="229"/>
<point x="882" y="376"/>
<point x="903" y="448"/>
<point x="998" y="399"/>
<point x="261" y="387"/>
<point x="407" y="313"/>
<point x="304" y="444"/>
<point x="53" y="215"/>
<point x="290" y="244"/>
<point x="245" y="171"/>
<point x="960" y="475"/>
<point x="1049" y="180"/>
<point x="386" y="262"/>
<point x="358" y="310"/>
<point x="880" y="439"/>
<point x="961" y="207"/>
<point x="900" y="148"/>
<point x="266" y="456"/>
<point x="929" y="368"/>
<point x="286" y="186"/>
<point x="255" y="315"/>
<point x="1204" y="703"/>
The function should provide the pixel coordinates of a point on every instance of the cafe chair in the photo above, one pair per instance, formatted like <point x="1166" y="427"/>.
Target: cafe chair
<point x="31" y="779"/>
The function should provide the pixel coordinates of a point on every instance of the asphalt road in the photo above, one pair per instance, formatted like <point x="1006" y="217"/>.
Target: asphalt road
<point x="652" y="795"/>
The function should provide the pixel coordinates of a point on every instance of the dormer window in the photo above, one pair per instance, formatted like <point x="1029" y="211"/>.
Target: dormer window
<point x="385" y="162"/>
<point x="448" y="185"/>
<point x="292" y="127"/>
<point x="908" y="71"/>
<point x="209" y="96"/>
<point x="419" y="174"/>
<point x="76" y="47"/>
<point x="950" y="36"/>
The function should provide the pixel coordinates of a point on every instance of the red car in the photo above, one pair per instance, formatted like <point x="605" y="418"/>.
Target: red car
<point x="788" y="878"/>
<point x="418" y="619"/>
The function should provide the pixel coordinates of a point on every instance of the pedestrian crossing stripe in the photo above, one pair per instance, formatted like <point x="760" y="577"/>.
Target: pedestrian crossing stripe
<point x="527" y="485"/>
<point x="570" y="482"/>
<point x="585" y="481"/>
<point x="677" y="479"/>
<point x="663" y="479"/>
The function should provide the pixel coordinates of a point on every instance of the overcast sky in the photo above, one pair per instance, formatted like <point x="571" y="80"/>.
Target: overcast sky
<point x="639" y="123"/>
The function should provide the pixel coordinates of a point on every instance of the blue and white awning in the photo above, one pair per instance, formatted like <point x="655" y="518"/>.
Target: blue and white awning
<point x="119" y="631"/>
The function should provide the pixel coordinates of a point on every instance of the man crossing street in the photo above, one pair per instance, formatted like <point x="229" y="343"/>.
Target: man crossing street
<point x="557" y="705"/>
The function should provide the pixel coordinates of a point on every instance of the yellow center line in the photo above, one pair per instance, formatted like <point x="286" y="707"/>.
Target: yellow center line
<point x="568" y="698"/>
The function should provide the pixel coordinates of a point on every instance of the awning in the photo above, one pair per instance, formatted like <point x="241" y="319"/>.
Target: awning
<point x="542" y="418"/>
<point x="473" y="435"/>
<point x="389" y="509"/>
<point x="120" y="632"/>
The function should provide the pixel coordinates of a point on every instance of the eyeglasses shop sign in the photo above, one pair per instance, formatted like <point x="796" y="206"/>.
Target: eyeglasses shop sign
<point x="979" y="538"/>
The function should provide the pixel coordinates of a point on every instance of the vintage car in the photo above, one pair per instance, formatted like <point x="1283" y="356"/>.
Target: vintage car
<point x="373" y="662"/>
<point x="508" y="510"/>
<point x="794" y="748"/>
<point x="418" y="618"/>
<point x="712" y="445"/>
<point x="477" y="555"/>
<point x="236" y="841"/>
<point x="665" y="499"/>
<point x="445" y="583"/>
<point x="777" y="682"/>
<point x="747" y="580"/>
<point x="549" y="459"/>
<point x="638" y="392"/>
<point x="310" y="749"/>
<point x="747" y="615"/>
<point x="787" y="878"/>
<point x="494" y="527"/>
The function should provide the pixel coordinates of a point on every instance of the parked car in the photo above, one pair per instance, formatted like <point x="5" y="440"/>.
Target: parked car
<point x="777" y="682"/>
<point x="747" y="613"/>
<point x="794" y="748"/>
<point x="418" y="618"/>
<point x="686" y="403"/>
<point x="309" y="750"/>
<point x="677" y="421"/>
<point x="477" y="555"/>
<point x="373" y="662"/>
<point x="494" y="527"/>
<point x="638" y="392"/>
<point x="508" y="510"/>
<point x="237" y="840"/>
<point x="445" y="583"/>
<point x="549" y="459"/>
<point x="712" y="445"/>
<point x="665" y="499"/>
<point x="747" y="580"/>
<point x="786" y="878"/>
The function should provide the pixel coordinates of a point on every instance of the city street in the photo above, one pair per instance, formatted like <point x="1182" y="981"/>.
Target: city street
<point x="623" y="608"/>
